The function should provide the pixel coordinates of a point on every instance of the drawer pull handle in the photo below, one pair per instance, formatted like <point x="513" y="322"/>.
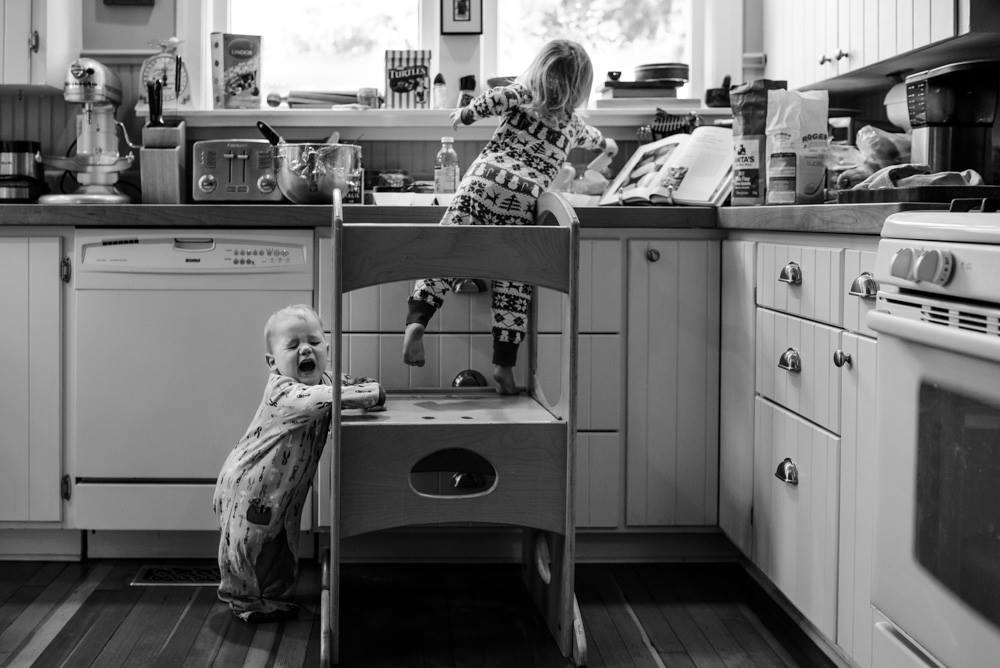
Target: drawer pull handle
<point x="791" y="273"/>
<point x="791" y="361"/>
<point x="864" y="286"/>
<point x="787" y="472"/>
<point x="840" y="358"/>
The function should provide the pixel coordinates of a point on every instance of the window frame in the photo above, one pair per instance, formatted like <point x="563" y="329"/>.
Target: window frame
<point x="713" y="55"/>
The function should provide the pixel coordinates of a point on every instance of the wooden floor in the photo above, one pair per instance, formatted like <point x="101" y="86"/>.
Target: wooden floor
<point x="87" y="614"/>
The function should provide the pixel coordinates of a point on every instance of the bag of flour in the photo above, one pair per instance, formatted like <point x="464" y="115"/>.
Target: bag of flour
<point x="749" y="104"/>
<point x="796" y="146"/>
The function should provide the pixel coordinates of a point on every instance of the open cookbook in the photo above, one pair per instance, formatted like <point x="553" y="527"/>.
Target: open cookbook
<point x="693" y="169"/>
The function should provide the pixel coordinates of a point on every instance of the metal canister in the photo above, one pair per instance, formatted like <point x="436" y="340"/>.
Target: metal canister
<point x="17" y="158"/>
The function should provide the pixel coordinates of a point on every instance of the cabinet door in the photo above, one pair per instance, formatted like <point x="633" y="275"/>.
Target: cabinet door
<point x="857" y="497"/>
<point x="30" y="396"/>
<point x="598" y="480"/>
<point x="600" y="299"/>
<point x="736" y="392"/>
<point x="16" y="29"/>
<point x="795" y="525"/>
<point x="672" y="383"/>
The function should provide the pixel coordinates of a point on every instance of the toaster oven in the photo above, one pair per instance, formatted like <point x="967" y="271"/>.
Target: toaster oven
<point x="234" y="170"/>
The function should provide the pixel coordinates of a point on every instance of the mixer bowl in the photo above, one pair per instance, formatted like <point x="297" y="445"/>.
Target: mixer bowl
<point x="308" y="173"/>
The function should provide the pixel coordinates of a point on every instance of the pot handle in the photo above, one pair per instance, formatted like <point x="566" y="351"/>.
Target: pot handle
<point x="338" y="206"/>
<point x="270" y="133"/>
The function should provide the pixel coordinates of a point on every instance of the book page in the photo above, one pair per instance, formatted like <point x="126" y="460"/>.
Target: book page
<point x="696" y="171"/>
<point x="638" y="178"/>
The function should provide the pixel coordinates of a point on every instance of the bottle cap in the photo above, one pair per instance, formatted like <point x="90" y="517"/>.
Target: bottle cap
<point x="438" y="78"/>
<point x="447" y="140"/>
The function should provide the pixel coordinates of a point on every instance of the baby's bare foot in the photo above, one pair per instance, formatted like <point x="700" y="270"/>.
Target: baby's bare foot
<point x="413" y="344"/>
<point x="504" y="376"/>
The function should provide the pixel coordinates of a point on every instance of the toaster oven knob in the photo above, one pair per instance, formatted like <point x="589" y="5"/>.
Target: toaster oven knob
<point x="902" y="261"/>
<point x="934" y="266"/>
<point x="266" y="184"/>
<point x="207" y="183"/>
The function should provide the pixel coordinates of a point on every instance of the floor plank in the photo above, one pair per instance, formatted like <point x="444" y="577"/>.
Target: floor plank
<point x="400" y="616"/>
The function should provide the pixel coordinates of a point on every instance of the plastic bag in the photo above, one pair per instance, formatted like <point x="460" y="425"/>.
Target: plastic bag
<point x="796" y="146"/>
<point x="881" y="149"/>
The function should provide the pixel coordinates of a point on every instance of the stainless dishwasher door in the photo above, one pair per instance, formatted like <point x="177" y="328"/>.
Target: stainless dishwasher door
<point x="167" y="364"/>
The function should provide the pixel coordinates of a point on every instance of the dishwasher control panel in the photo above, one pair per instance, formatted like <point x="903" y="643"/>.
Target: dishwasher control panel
<point x="195" y="252"/>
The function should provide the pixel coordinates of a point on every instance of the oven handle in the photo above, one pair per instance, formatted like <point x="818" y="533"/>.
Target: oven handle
<point x="936" y="336"/>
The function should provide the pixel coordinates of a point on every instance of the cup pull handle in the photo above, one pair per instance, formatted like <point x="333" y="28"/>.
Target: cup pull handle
<point x="864" y="286"/>
<point x="791" y="273"/>
<point x="787" y="472"/>
<point x="790" y="361"/>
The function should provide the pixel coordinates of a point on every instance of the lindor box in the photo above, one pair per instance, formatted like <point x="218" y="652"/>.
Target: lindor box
<point x="407" y="79"/>
<point x="235" y="71"/>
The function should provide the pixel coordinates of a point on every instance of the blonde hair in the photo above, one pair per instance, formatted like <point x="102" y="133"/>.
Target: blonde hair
<point x="559" y="78"/>
<point x="303" y="311"/>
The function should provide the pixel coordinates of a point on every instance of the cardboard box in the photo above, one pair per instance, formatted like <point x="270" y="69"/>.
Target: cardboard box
<point x="235" y="71"/>
<point x="407" y="79"/>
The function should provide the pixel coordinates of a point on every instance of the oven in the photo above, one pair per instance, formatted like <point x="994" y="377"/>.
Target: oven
<point x="936" y="573"/>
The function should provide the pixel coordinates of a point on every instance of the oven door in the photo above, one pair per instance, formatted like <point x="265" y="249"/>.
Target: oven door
<point x="937" y="535"/>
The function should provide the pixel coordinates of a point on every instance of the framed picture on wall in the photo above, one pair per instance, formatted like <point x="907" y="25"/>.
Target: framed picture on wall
<point x="461" y="17"/>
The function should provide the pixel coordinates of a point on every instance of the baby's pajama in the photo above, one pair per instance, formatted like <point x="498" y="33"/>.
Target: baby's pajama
<point x="501" y="187"/>
<point x="263" y="485"/>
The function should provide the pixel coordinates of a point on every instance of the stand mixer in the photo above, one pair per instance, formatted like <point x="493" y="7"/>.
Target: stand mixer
<point x="97" y="161"/>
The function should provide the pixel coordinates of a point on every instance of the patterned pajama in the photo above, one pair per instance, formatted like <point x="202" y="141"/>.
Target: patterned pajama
<point x="262" y="487"/>
<point x="501" y="187"/>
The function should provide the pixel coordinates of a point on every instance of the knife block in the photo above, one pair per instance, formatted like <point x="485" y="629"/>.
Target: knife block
<point x="162" y="167"/>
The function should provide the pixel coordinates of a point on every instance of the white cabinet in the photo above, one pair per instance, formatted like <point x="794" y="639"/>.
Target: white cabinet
<point x="31" y="396"/>
<point x="672" y="383"/>
<point x="38" y="41"/>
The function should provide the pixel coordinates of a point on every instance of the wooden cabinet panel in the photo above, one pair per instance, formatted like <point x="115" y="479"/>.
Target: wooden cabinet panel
<point x="30" y="396"/>
<point x="672" y="366"/>
<point x="736" y="392"/>
<point x="600" y="291"/>
<point x="813" y="391"/>
<point x="598" y="480"/>
<point x="599" y="378"/>
<point x="816" y="296"/>
<point x="60" y="38"/>
<point x="795" y="526"/>
<point x="16" y="30"/>
<point x="857" y="497"/>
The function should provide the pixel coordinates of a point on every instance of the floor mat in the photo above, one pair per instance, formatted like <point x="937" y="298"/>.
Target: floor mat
<point x="177" y="576"/>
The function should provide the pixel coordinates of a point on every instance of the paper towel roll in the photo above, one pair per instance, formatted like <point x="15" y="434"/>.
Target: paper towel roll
<point x="895" y="107"/>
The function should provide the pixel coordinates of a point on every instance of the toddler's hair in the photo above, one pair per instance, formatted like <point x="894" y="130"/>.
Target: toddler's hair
<point x="559" y="78"/>
<point x="303" y="311"/>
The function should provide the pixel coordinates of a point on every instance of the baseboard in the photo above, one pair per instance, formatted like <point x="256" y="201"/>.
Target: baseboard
<point x="426" y="544"/>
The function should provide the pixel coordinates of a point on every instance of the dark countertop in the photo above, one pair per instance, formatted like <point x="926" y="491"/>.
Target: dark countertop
<point x="290" y="215"/>
<point x="825" y="218"/>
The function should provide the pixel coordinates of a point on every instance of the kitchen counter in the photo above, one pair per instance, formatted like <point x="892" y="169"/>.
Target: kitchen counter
<point x="289" y="215"/>
<point x="824" y="218"/>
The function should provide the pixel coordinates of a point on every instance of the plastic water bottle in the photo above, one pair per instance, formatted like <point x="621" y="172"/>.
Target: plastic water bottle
<point x="446" y="171"/>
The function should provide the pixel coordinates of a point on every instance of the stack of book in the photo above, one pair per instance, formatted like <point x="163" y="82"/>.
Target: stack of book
<point x="641" y="94"/>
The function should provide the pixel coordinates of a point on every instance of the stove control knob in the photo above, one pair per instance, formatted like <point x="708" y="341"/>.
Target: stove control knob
<point x="207" y="183"/>
<point x="934" y="266"/>
<point x="902" y="262"/>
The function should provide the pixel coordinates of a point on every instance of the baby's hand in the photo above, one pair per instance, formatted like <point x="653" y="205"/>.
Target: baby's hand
<point x="610" y="146"/>
<point x="456" y="118"/>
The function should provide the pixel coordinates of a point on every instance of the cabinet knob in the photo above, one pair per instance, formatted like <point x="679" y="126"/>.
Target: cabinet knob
<point x="790" y="361"/>
<point x="841" y="54"/>
<point x="787" y="472"/>
<point x="33" y="41"/>
<point x="840" y="358"/>
<point x="652" y="254"/>
<point x="864" y="286"/>
<point x="825" y="59"/>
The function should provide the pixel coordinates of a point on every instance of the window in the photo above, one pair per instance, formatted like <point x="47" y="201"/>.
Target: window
<point x="326" y="44"/>
<point x="616" y="37"/>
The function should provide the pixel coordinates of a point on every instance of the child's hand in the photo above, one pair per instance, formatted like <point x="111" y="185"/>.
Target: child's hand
<point x="456" y="118"/>
<point x="610" y="146"/>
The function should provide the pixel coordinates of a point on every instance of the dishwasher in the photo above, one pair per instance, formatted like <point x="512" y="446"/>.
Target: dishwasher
<point x="166" y="365"/>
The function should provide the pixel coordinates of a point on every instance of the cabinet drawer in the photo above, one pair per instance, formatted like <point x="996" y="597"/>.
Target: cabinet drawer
<point x="801" y="280"/>
<point x="795" y="525"/>
<point x="786" y="343"/>
<point x="859" y="290"/>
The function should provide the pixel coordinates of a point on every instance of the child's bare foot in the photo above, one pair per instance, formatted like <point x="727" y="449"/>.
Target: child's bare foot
<point x="413" y="344"/>
<point x="504" y="376"/>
